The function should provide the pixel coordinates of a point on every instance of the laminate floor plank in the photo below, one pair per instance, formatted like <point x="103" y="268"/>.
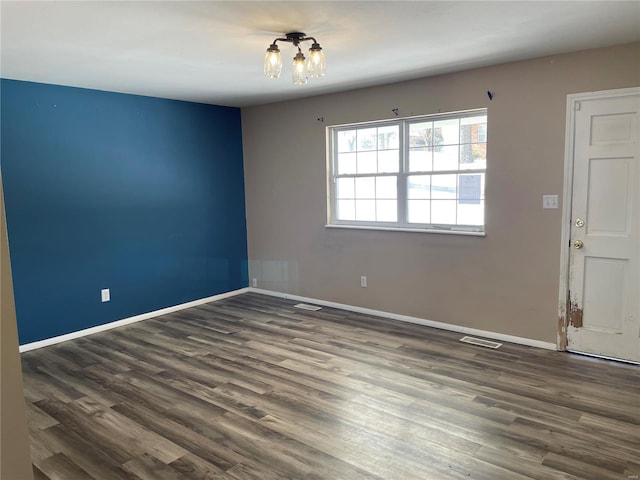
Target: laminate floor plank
<point x="206" y="448"/>
<point x="210" y="394"/>
<point x="577" y="429"/>
<point x="37" y="419"/>
<point x="41" y="448"/>
<point x="599" y="425"/>
<point x="146" y="467"/>
<point x="106" y="348"/>
<point x="42" y="385"/>
<point x="192" y="466"/>
<point x="59" y="467"/>
<point x="39" y="474"/>
<point x="251" y="387"/>
<point x="92" y="458"/>
<point x="521" y="465"/>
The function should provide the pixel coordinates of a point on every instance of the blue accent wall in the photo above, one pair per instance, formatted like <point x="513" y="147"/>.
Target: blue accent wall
<point x="144" y="196"/>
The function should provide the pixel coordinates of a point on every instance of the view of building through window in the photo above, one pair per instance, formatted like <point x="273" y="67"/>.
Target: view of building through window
<point x="420" y="173"/>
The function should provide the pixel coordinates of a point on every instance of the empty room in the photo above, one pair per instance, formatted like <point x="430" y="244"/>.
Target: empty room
<point x="355" y="240"/>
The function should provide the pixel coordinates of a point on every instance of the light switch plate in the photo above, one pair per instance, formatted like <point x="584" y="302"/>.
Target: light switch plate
<point x="550" y="201"/>
<point x="105" y="295"/>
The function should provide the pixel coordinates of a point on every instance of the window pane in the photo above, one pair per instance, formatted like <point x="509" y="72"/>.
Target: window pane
<point x="345" y="188"/>
<point x="443" y="212"/>
<point x="471" y="214"/>
<point x="482" y="133"/>
<point x="388" y="137"/>
<point x="365" y="187"/>
<point x="473" y="137"/>
<point x="446" y="132"/>
<point x="470" y="188"/>
<point x="420" y="159"/>
<point x="473" y="156"/>
<point x="367" y="162"/>
<point x="367" y="139"/>
<point x="346" y="210"/>
<point x="418" y="211"/>
<point x="347" y="141"/>
<point x="388" y="161"/>
<point x="365" y="210"/>
<point x="386" y="210"/>
<point x="421" y="135"/>
<point x="346" y="163"/>
<point x="387" y="187"/>
<point x="472" y="129"/>
<point x="445" y="158"/>
<point x="444" y="186"/>
<point x="419" y="186"/>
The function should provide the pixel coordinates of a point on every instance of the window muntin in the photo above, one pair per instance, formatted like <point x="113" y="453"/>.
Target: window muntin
<point x="425" y="173"/>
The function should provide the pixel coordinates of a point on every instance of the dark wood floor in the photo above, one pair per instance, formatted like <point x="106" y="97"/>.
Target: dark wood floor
<point x="251" y="388"/>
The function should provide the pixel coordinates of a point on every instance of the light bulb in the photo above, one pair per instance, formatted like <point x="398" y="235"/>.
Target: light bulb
<point x="315" y="63"/>
<point x="299" y="73"/>
<point x="272" y="62"/>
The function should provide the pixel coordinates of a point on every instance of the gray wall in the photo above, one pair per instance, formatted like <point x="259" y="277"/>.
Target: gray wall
<point x="506" y="282"/>
<point x="15" y="460"/>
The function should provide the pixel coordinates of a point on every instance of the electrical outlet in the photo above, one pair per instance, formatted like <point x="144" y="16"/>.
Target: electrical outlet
<point x="105" y="295"/>
<point x="254" y="282"/>
<point x="363" y="281"/>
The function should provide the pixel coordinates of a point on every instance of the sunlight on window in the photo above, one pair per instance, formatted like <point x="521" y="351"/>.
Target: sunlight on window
<point x="420" y="173"/>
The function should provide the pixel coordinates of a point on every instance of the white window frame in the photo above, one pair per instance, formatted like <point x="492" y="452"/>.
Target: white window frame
<point x="402" y="198"/>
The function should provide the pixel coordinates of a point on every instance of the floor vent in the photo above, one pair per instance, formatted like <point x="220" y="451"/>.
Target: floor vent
<point x="306" y="306"/>
<point x="481" y="342"/>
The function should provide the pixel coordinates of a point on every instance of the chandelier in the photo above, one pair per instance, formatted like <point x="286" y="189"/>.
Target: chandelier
<point x="303" y="68"/>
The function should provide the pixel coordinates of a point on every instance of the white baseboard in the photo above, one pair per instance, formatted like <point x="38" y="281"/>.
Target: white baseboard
<point x="420" y="321"/>
<point x="367" y="311"/>
<point x="126" y="321"/>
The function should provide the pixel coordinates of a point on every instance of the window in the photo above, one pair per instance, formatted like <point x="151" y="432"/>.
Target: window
<point x="422" y="173"/>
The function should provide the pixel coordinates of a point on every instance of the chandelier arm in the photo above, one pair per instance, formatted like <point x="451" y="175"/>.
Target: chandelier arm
<point x="281" y="40"/>
<point x="295" y="38"/>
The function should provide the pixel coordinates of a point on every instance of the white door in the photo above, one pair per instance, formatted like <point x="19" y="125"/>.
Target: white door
<point x="603" y="304"/>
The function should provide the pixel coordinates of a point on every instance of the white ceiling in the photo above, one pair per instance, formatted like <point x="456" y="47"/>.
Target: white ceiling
<point x="212" y="51"/>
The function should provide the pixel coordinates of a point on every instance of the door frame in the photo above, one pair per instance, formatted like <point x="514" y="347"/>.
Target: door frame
<point x="567" y="195"/>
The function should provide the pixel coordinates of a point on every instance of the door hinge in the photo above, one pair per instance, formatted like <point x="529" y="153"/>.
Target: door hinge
<point x="578" y="106"/>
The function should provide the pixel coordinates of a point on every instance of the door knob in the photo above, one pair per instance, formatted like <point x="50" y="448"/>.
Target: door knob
<point x="578" y="244"/>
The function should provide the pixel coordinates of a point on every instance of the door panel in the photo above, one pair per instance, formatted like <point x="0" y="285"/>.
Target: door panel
<point x="604" y="297"/>
<point x="612" y="128"/>
<point x="608" y="196"/>
<point x="604" y="292"/>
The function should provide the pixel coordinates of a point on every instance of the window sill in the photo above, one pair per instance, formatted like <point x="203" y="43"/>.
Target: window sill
<point x="411" y="230"/>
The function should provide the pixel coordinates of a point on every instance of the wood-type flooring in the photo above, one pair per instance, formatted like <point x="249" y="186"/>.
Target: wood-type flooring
<point x="251" y="388"/>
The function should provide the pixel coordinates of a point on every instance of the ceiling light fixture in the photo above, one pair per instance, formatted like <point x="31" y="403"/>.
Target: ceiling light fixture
<point x="303" y="68"/>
